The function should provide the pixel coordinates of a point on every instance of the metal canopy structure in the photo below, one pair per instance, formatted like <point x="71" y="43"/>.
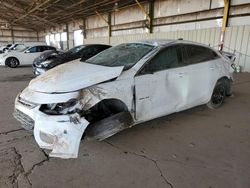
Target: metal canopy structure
<point x="41" y="14"/>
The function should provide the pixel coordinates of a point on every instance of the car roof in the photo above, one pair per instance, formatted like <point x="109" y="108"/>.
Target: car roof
<point x="95" y="45"/>
<point x="165" y="42"/>
<point x="155" y="42"/>
<point x="39" y="45"/>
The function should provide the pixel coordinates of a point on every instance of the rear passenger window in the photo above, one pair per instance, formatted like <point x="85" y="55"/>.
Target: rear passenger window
<point x="197" y="54"/>
<point x="51" y="48"/>
<point x="101" y="48"/>
<point x="44" y="48"/>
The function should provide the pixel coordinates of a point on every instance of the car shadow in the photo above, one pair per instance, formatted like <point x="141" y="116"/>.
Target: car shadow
<point x="18" y="78"/>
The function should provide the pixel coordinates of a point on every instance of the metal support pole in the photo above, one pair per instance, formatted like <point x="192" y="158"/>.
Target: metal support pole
<point x="151" y="15"/>
<point x="84" y="28"/>
<point x="108" y="22"/>
<point x="37" y="36"/>
<point x="224" y="23"/>
<point x="12" y="34"/>
<point x="67" y="31"/>
<point x="147" y="15"/>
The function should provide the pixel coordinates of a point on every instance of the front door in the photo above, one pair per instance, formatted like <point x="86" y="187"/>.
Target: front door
<point x="160" y="86"/>
<point x="30" y="55"/>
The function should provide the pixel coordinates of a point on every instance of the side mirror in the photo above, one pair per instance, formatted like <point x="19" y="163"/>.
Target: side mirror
<point x="27" y="51"/>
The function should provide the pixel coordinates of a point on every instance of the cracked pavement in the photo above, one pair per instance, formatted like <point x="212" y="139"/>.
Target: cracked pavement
<point x="195" y="148"/>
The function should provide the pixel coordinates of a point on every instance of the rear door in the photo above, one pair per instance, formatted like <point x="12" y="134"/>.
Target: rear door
<point x="202" y="73"/>
<point x="160" y="86"/>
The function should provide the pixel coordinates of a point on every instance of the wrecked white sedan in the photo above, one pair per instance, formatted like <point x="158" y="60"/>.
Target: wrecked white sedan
<point x="118" y="88"/>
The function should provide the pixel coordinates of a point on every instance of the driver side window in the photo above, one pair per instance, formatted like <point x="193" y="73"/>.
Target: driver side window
<point x="165" y="59"/>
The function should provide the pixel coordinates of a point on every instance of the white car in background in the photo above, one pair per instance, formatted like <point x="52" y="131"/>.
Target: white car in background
<point x="4" y="48"/>
<point x="118" y="88"/>
<point x="24" y="56"/>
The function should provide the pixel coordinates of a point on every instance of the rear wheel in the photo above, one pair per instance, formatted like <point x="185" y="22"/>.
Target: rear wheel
<point x="12" y="62"/>
<point x="218" y="95"/>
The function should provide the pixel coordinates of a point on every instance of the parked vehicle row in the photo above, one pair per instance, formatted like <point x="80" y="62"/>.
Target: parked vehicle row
<point x="118" y="88"/>
<point x="49" y="60"/>
<point x="24" y="56"/>
<point x="43" y="57"/>
<point x="18" y="46"/>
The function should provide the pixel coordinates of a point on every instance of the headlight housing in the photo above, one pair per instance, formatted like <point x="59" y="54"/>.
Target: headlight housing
<point x="45" y="64"/>
<point x="60" y="108"/>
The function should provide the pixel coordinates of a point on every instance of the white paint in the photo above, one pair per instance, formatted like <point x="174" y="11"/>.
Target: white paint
<point x="65" y="134"/>
<point x="25" y="57"/>
<point x="157" y="94"/>
<point x="69" y="77"/>
<point x="46" y="98"/>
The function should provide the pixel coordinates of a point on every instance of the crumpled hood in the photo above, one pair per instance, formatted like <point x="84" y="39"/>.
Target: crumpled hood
<point x="73" y="76"/>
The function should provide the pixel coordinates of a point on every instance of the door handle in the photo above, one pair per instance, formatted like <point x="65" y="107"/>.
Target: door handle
<point x="181" y="74"/>
<point x="211" y="68"/>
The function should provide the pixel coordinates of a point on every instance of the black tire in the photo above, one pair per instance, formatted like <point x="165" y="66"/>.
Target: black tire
<point x="228" y="84"/>
<point x="12" y="62"/>
<point x="218" y="96"/>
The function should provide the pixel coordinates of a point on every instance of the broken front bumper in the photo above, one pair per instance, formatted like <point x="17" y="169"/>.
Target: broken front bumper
<point x="60" y="133"/>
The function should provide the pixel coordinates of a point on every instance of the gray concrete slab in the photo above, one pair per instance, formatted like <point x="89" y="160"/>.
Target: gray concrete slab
<point x="199" y="148"/>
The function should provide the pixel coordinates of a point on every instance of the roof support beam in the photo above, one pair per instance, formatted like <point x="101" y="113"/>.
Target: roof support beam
<point x="31" y="11"/>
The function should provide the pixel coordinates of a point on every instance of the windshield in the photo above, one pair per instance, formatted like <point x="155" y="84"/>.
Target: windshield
<point x="75" y="49"/>
<point x="125" y="55"/>
<point x="12" y="46"/>
<point x="20" y="47"/>
<point x="22" y="50"/>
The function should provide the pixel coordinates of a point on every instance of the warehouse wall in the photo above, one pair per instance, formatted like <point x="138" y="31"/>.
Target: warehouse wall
<point x="17" y="34"/>
<point x="196" y="20"/>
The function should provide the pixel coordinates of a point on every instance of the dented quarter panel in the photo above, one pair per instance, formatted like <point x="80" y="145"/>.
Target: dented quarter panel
<point x="118" y="89"/>
<point x="222" y="69"/>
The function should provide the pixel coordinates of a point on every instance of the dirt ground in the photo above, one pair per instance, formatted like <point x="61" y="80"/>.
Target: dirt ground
<point x="197" y="148"/>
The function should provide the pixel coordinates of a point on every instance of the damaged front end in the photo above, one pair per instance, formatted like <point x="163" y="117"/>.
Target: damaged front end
<point x="61" y="134"/>
<point x="59" y="127"/>
<point x="60" y="107"/>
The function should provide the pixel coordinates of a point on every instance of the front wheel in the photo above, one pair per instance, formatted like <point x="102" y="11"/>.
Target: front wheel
<point x="12" y="62"/>
<point x="218" y="95"/>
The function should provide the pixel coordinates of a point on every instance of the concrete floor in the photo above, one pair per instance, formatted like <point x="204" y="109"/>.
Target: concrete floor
<point x="198" y="148"/>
